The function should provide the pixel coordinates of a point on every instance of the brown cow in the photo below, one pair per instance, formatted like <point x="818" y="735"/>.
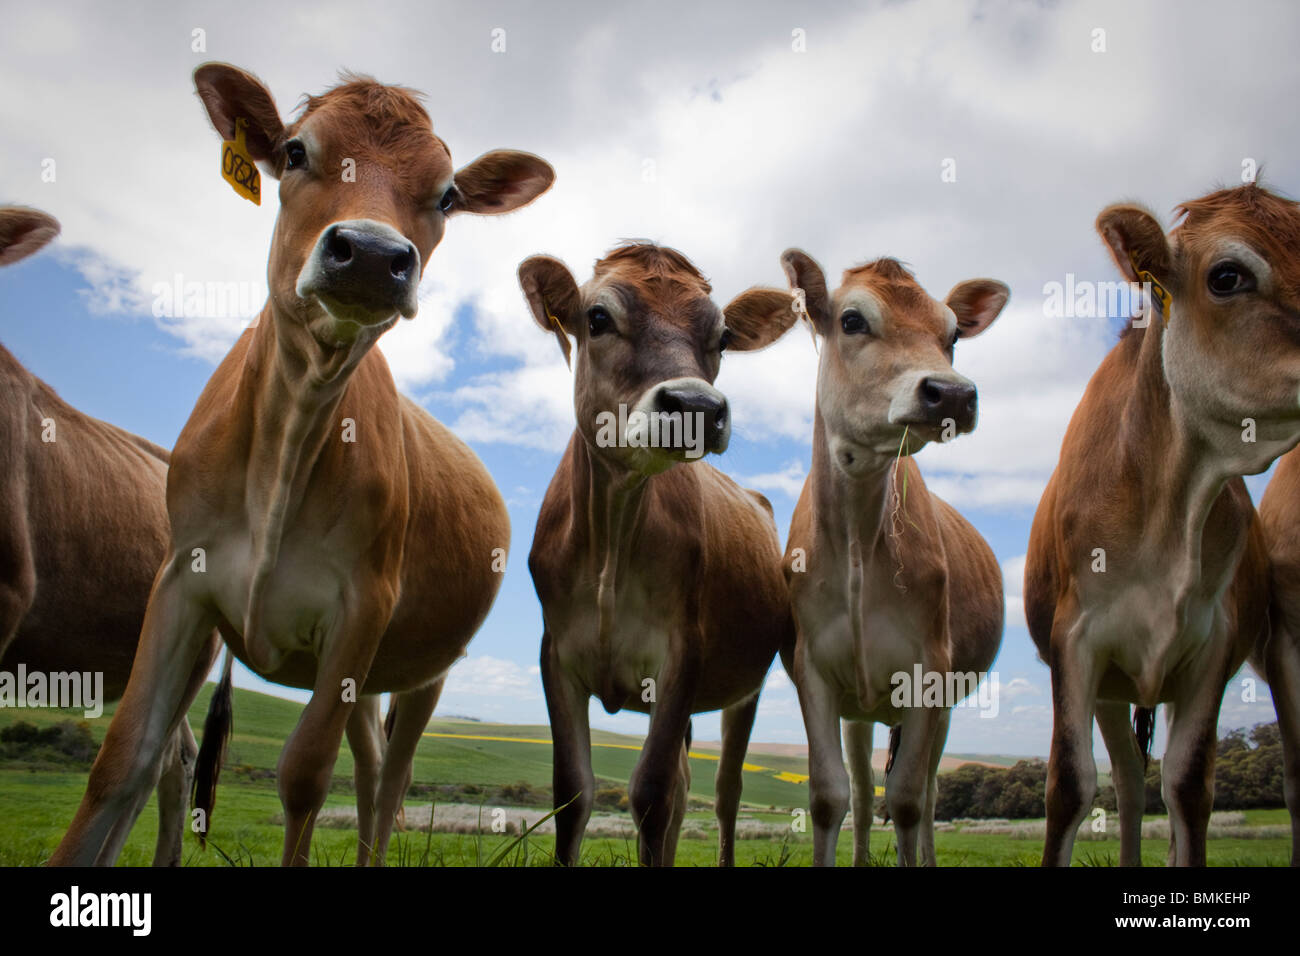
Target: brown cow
<point x="1147" y="574"/>
<point x="660" y="586"/>
<point x="886" y="579"/>
<point x="83" y="531"/>
<point x="347" y="539"/>
<point x="1277" y="657"/>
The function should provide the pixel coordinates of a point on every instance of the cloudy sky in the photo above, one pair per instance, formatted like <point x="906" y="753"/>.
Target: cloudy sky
<point x="729" y="132"/>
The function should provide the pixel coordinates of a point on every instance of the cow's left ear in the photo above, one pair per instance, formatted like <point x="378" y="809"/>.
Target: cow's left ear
<point x="501" y="181"/>
<point x="758" y="317"/>
<point x="976" y="303"/>
<point x="23" y="231"/>
<point x="553" y="297"/>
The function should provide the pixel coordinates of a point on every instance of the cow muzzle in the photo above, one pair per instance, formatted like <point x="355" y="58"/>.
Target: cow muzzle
<point x="686" y="418"/>
<point x="946" y="406"/>
<point x="362" y="271"/>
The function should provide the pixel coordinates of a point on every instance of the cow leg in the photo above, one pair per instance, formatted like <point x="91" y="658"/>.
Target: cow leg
<point x="174" y="795"/>
<point x="681" y="793"/>
<point x="905" y="790"/>
<point x="928" y="857"/>
<point x="414" y="708"/>
<point x="737" y="723"/>
<point x="1128" y="772"/>
<point x="366" y="741"/>
<point x="857" y="736"/>
<point x="828" y="781"/>
<point x="307" y="761"/>
<point x="1071" y="772"/>
<point x="176" y="651"/>
<point x="573" y="785"/>
<point x="1283" y="657"/>
<point x="657" y="780"/>
<point x="1187" y="771"/>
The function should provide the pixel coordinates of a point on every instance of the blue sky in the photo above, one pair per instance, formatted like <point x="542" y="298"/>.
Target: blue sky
<point x="703" y="128"/>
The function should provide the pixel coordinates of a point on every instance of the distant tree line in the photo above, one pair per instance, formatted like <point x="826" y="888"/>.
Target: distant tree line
<point x="1248" y="775"/>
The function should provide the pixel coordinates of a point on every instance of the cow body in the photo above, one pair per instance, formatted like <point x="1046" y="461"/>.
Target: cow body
<point x="659" y="580"/>
<point x="885" y="579"/>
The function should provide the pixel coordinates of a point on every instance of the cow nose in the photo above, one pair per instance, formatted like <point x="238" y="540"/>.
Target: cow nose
<point x="943" y="400"/>
<point x="711" y="408"/>
<point x="368" y="266"/>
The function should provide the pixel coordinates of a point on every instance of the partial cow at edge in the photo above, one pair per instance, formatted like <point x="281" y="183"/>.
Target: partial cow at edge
<point x="1147" y="577"/>
<point x="1277" y="655"/>
<point x="83" y="528"/>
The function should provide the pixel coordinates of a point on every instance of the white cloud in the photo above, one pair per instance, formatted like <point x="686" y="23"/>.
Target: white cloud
<point x="493" y="677"/>
<point x="789" y="480"/>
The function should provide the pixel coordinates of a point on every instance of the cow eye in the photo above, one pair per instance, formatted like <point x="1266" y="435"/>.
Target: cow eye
<point x="598" y="320"/>
<point x="854" y="323"/>
<point x="448" y="199"/>
<point x="725" y="340"/>
<point x="1228" y="278"/>
<point x="295" y="154"/>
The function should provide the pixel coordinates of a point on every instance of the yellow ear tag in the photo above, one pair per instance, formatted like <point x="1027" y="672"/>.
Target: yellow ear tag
<point x="1164" y="301"/>
<point x="238" y="168"/>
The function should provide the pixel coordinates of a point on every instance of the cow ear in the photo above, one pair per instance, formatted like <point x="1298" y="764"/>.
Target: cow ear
<point x="758" y="317"/>
<point x="552" y="296"/>
<point x="805" y="274"/>
<point x="976" y="303"/>
<point x="23" y="231"/>
<point x="1136" y="242"/>
<point x="230" y="94"/>
<point x="501" y="181"/>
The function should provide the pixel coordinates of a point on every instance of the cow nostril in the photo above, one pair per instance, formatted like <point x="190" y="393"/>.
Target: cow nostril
<point x="401" y="265"/>
<point x="670" y="403"/>
<point x="720" y="418"/>
<point x="338" y="248"/>
<point x="931" y="394"/>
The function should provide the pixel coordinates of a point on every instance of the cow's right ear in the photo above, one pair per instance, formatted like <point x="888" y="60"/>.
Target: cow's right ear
<point x="804" y="273"/>
<point x="552" y="296"/>
<point x="23" y="231"/>
<point x="1137" y="242"/>
<point x="230" y="94"/>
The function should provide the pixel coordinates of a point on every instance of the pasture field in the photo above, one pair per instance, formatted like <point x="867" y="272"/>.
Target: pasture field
<point x="511" y="769"/>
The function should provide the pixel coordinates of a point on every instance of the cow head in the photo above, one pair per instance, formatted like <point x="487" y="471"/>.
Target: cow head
<point x="649" y="344"/>
<point x="886" y="356"/>
<point x="366" y="190"/>
<point x="1231" y="347"/>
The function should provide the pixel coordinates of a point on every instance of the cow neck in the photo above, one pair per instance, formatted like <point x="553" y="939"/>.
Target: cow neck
<point x="849" y="515"/>
<point x="611" y="496"/>
<point x="291" y="387"/>
<point x="1180" y="474"/>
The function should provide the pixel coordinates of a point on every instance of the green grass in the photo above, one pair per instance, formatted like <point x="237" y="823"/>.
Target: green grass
<point x="36" y="806"/>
